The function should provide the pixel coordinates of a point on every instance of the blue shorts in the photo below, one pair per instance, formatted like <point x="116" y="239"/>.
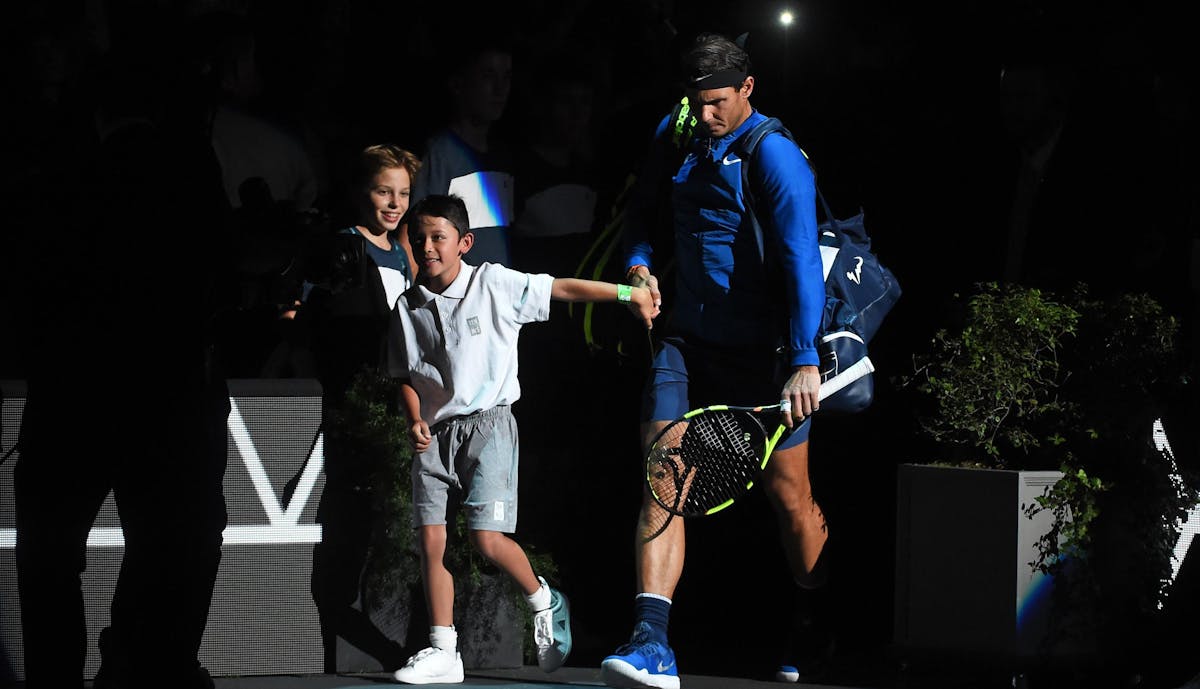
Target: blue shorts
<point x="685" y="377"/>
<point x="477" y="456"/>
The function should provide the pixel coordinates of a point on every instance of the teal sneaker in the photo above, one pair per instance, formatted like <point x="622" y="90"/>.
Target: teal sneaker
<point x="641" y="664"/>
<point x="552" y="632"/>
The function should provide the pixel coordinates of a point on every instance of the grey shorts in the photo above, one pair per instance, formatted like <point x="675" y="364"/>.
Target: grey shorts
<point x="477" y="456"/>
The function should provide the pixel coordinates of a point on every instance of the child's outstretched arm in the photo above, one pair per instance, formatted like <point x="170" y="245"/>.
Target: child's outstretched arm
<point x="639" y="299"/>
<point x="418" y="430"/>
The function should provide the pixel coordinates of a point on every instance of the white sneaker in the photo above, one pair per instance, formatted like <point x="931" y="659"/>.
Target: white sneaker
<point x="432" y="666"/>
<point x="552" y="632"/>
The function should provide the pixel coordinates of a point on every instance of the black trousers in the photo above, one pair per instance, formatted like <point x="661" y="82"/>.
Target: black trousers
<point x="164" y="461"/>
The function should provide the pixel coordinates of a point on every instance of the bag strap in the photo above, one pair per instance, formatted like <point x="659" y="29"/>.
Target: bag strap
<point x="682" y="123"/>
<point x="746" y="146"/>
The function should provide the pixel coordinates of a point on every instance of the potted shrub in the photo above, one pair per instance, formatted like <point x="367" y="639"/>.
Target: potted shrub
<point x="495" y="628"/>
<point x="1042" y="409"/>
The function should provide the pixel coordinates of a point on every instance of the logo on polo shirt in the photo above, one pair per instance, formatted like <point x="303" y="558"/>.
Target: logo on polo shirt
<point x="473" y="324"/>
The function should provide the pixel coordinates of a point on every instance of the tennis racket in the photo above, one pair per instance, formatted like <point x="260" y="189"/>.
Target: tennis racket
<point x="703" y="461"/>
<point x="707" y="458"/>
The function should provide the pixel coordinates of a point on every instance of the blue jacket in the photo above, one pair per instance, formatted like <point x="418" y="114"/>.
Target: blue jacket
<point x="724" y="295"/>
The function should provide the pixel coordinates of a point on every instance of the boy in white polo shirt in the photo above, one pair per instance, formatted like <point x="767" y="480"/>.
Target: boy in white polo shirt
<point x="454" y="346"/>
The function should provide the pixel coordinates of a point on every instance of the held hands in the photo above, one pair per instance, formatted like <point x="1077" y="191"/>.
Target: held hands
<point x="639" y="276"/>
<point x="799" y="398"/>
<point x="646" y="300"/>
<point x="641" y="303"/>
<point x="419" y="433"/>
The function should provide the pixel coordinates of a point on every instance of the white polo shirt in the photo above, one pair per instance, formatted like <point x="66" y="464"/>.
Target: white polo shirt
<point x="458" y="349"/>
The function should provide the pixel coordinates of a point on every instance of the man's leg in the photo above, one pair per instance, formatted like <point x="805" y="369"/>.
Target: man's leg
<point x="660" y="546"/>
<point x="647" y="660"/>
<point x="61" y="479"/>
<point x="802" y="527"/>
<point x="172" y="509"/>
<point x="57" y="498"/>
<point x="803" y="533"/>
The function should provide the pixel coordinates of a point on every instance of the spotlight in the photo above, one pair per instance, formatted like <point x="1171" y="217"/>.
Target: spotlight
<point x="786" y="18"/>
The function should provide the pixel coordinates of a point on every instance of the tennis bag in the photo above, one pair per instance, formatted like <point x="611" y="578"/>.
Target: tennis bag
<point x="859" y="291"/>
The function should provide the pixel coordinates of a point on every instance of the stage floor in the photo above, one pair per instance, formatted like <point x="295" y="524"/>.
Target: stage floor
<point x="530" y="677"/>
<point x="520" y="678"/>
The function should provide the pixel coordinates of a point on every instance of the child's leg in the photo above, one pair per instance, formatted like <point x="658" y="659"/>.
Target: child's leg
<point x="489" y="474"/>
<point x="551" y="614"/>
<point x="508" y="555"/>
<point x="441" y="662"/>
<point x="490" y="502"/>
<point x="439" y="583"/>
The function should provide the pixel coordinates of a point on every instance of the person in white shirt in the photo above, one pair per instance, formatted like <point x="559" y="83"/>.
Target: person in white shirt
<point x="454" y="349"/>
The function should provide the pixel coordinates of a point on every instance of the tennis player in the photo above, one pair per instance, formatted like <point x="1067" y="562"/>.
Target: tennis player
<point x="735" y="336"/>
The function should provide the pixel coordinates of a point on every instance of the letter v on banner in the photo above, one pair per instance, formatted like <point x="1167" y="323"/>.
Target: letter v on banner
<point x="284" y="522"/>
<point x="283" y="525"/>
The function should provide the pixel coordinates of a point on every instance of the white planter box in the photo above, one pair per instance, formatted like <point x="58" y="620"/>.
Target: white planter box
<point x="964" y="582"/>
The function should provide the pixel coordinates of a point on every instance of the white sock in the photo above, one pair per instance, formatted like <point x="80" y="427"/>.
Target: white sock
<point x="540" y="599"/>
<point x="445" y="638"/>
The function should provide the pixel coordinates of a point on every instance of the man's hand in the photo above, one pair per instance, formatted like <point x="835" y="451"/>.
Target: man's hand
<point x="639" y="276"/>
<point x="799" y="398"/>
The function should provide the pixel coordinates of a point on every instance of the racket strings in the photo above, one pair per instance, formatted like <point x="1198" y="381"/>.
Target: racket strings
<point x="669" y="470"/>
<point x="705" y="462"/>
<point x="719" y="448"/>
<point x="723" y="432"/>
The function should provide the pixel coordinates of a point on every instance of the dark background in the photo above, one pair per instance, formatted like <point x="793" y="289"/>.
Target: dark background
<point x="915" y="112"/>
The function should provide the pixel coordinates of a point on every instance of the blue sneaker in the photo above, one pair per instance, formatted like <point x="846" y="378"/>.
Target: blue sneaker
<point x="787" y="673"/>
<point x="641" y="664"/>
<point x="552" y="632"/>
<point x="814" y="670"/>
<point x="810" y="651"/>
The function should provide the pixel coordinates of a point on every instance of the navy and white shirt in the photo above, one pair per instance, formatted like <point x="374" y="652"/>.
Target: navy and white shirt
<point x="394" y="269"/>
<point x="483" y="180"/>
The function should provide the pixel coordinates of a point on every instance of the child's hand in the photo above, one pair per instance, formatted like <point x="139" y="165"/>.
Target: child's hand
<point x="640" y="276"/>
<point x="642" y="303"/>
<point x="420" y="435"/>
